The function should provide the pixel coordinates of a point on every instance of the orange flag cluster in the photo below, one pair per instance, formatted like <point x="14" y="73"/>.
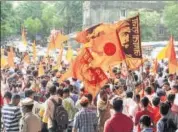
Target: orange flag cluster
<point x="169" y="53"/>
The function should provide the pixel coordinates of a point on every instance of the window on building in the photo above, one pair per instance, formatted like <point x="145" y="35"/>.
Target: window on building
<point x="123" y="13"/>
<point x="161" y="31"/>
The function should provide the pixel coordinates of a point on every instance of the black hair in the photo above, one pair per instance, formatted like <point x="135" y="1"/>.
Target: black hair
<point x="89" y="96"/>
<point x="15" y="96"/>
<point x="156" y="101"/>
<point x="60" y="91"/>
<point x="137" y="97"/>
<point x="117" y="104"/>
<point x="145" y="101"/>
<point x="160" y="74"/>
<point x="28" y="85"/>
<point x="35" y="73"/>
<point x="106" y="86"/>
<point x="44" y="83"/>
<point x="29" y="107"/>
<point x="148" y="90"/>
<point x="71" y="88"/>
<point x="67" y="82"/>
<point x="145" y="120"/>
<point x="84" y="104"/>
<point x="52" y="89"/>
<point x="129" y="94"/>
<point x="171" y="98"/>
<point x="29" y="93"/>
<point x="28" y="72"/>
<point x="56" y="84"/>
<point x="164" y="108"/>
<point x="66" y="90"/>
<point x="8" y="95"/>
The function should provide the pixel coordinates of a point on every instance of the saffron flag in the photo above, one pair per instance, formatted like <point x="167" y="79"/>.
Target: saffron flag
<point x="84" y="36"/>
<point x="69" y="54"/>
<point x="26" y="58"/>
<point x="24" y="37"/>
<point x="155" y="66"/>
<point x="56" y="40"/>
<point x="108" y="47"/>
<point x="171" y="56"/>
<point x="59" y="40"/>
<point x="129" y="33"/>
<point x="34" y="51"/>
<point x="11" y="59"/>
<point x="93" y="78"/>
<point x="40" y="70"/>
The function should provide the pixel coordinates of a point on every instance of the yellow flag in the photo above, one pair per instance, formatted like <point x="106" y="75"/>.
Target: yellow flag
<point x="163" y="53"/>
<point x="3" y="62"/>
<point x="59" y="40"/>
<point x="41" y="70"/>
<point x="24" y="37"/>
<point x="34" y="51"/>
<point x="69" y="54"/>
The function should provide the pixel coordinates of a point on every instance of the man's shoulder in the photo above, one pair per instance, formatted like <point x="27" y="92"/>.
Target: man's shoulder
<point x="10" y="108"/>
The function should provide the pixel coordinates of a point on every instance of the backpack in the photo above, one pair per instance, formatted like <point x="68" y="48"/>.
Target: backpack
<point x="169" y="125"/>
<point x="60" y="118"/>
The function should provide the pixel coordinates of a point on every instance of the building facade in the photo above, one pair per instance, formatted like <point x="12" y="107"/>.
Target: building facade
<point x="95" y="12"/>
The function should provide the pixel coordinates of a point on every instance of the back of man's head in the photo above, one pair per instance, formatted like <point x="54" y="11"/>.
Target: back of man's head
<point x="164" y="108"/>
<point x="148" y="90"/>
<point x="145" y="101"/>
<point x="15" y="99"/>
<point x="29" y="93"/>
<point x="156" y="101"/>
<point x="118" y="104"/>
<point x="145" y="120"/>
<point x="129" y="94"/>
<point x="52" y="89"/>
<point x="8" y="95"/>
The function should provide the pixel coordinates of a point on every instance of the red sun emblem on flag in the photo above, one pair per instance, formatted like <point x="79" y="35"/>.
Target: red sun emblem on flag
<point x="109" y="49"/>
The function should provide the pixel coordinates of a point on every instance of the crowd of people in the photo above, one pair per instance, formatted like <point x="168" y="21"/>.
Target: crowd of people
<point x="33" y="103"/>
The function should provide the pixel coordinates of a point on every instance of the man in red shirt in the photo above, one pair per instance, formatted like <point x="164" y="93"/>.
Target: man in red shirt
<point x="144" y="111"/>
<point x="119" y="122"/>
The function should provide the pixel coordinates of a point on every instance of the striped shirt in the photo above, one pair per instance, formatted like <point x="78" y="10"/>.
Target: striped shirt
<point x="11" y="116"/>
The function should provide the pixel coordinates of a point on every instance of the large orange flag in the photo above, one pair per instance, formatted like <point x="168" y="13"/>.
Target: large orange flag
<point x="108" y="49"/>
<point x="24" y="37"/>
<point x="171" y="56"/>
<point x="34" y="51"/>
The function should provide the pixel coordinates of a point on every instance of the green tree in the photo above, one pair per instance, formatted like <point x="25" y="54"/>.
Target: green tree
<point x="170" y="18"/>
<point x="34" y="26"/>
<point x="8" y="20"/>
<point x="148" y="22"/>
